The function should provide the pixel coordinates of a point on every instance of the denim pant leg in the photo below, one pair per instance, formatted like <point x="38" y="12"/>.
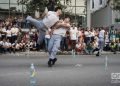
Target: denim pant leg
<point x="46" y="43"/>
<point x="41" y="37"/>
<point x="37" y="23"/>
<point x="50" y="45"/>
<point x="101" y="44"/>
<point x="62" y="43"/>
<point x="56" y="47"/>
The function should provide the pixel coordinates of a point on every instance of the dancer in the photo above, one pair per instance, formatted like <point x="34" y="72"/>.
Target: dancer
<point x="54" y="43"/>
<point x="49" y="20"/>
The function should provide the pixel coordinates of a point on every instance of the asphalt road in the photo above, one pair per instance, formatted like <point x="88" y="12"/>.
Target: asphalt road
<point x="83" y="70"/>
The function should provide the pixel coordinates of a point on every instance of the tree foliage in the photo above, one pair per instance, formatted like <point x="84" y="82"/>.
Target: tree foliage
<point x="32" y="5"/>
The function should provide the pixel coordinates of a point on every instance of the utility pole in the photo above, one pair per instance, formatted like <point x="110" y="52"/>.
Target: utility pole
<point x="9" y="8"/>
<point x="75" y="13"/>
<point x="22" y="9"/>
<point x="64" y="10"/>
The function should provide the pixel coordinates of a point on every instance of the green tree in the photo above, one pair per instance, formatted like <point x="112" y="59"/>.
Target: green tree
<point x="32" y="5"/>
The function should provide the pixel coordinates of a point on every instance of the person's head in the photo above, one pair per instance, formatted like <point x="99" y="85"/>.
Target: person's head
<point x="73" y="25"/>
<point x="92" y="29"/>
<point x="14" y="25"/>
<point x="58" y="10"/>
<point x="67" y="20"/>
<point x="9" y="27"/>
<point x="4" y="40"/>
<point x="86" y="29"/>
<point x="8" y="40"/>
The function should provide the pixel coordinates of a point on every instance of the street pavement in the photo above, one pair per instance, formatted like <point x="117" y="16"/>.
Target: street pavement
<point x="81" y="70"/>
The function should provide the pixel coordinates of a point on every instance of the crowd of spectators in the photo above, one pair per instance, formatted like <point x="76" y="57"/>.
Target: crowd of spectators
<point x="83" y="40"/>
<point x="13" y="39"/>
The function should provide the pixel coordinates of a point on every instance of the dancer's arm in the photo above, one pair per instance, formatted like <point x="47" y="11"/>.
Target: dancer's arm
<point x="61" y="24"/>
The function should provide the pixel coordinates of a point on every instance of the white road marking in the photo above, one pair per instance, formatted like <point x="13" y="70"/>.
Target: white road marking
<point x="106" y="62"/>
<point x="14" y="74"/>
<point x="78" y="65"/>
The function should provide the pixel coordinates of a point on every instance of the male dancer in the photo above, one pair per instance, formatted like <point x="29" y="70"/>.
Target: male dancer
<point x="50" y="19"/>
<point x="54" y="43"/>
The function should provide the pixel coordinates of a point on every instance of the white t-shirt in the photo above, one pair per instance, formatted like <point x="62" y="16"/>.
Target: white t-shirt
<point x="106" y="38"/>
<point x="92" y="33"/>
<point x="78" y="45"/>
<point x="8" y="33"/>
<point x="95" y="45"/>
<point x="8" y="44"/>
<point x="102" y="34"/>
<point x="3" y="30"/>
<point x="17" y="46"/>
<point x="1" y="42"/>
<point x="50" y="19"/>
<point x="0" y="35"/>
<point x="73" y="33"/>
<point x="60" y="31"/>
<point x="30" y="33"/>
<point x="79" y="33"/>
<point x="118" y="44"/>
<point x="47" y="35"/>
<point x="14" y="31"/>
<point x="4" y="43"/>
<point x="88" y="34"/>
<point x="96" y="38"/>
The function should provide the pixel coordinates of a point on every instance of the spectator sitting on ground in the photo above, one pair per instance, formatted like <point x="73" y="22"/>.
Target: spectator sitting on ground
<point x="113" y="47"/>
<point x="3" y="32"/>
<point x="9" y="33"/>
<point x="33" y="46"/>
<point x="22" y="46"/>
<point x="79" y="47"/>
<point x="5" y="46"/>
<point x="17" y="47"/>
<point x="1" y="45"/>
<point x="8" y="46"/>
<point x="95" y="46"/>
<point x="89" y="48"/>
<point x="14" y="46"/>
<point x="119" y="46"/>
<point x="14" y="31"/>
<point x="82" y="48"/>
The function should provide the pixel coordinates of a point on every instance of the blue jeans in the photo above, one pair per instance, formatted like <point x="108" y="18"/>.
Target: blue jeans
<point x="46" y="43"/>
<point x="101" y="43"/>
<point x="54" y="45"/>
<point x="64" y="45"/>
<point x="40" y="26"/>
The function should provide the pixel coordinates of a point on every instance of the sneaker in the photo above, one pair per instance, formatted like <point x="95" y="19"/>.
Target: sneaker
<point x="54" y="60"/>
<point x="50" y="63"/>
<point x="114" y="53"/>
<point x="98" y="54"/>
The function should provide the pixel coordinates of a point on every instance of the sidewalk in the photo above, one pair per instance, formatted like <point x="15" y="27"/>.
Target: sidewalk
<point x="42" y="53"/>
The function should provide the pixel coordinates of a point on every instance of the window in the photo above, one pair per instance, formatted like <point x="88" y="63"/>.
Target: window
<point x="100" y="2"/>
<point x="92" y="3"/>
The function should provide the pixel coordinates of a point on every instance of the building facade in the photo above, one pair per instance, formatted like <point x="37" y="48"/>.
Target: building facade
<point x="100" y="14"/>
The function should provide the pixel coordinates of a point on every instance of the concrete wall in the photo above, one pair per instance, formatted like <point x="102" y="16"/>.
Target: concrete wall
<point x="102" y="17"/>
<point x="88" y="14"/>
